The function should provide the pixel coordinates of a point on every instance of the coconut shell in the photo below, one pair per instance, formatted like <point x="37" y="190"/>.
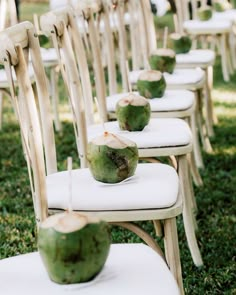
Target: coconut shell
<point x="76" y="255"/>
<point x="180" y="43"/>
<point x="204" y="13"/>
<point x="151" y="84"/>
<point x="112" y="158"/>
<point x="162" y="60"/>
<point x="221" y="6"/>
<point x="133" y="112"/>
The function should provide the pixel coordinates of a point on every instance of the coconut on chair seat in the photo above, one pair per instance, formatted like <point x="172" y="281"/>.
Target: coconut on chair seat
<point x="128" y="266"/>
<point x="151" y="142"/>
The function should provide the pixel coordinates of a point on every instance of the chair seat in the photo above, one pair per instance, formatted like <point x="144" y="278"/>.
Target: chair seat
<point x="3" y="77"/>
<point x="227" y="15"/>
<point x="211" y="26"/>
<point x="173" y="100"/>
<point x="129" y="269"/>
<point x="137" y="193"/>
<point x="49" y="56"/>
<point x="196" y="58"/>
<point x="179" y="79"/>
<point x="158" y="133"/>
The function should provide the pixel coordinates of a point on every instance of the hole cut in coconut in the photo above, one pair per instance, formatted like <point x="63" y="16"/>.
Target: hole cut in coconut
<point x="150" y="75"/>
<point x="134" y="100"/>
<point x="113" y="141"/>
<point x="68" y="222"/>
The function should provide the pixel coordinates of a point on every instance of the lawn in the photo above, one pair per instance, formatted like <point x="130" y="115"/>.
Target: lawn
<point x="216" y="199"/>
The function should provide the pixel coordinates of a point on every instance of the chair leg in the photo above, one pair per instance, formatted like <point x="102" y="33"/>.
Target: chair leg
<point x="55" y="96"/>
<point x="224" y="62"/>
<point x="194" y="170"/>
<point x="172" y="250"/>
<point x="201" y="124"/>
<point x="208" y="106"/>
<point x="196" y="146"/>
<point x="1" y="109"/>
<point x="188" y="217"/>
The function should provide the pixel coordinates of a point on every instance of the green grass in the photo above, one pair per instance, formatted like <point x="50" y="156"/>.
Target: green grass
<point x="216" y="199"/>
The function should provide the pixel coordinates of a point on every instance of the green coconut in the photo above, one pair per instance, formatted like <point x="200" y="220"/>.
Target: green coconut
<point x="112" y="158"/>
<point x="180" y="43"/>
<point x="163" y="59"/>
<point x="74" y="247"/>
<point x="133" y="112"/>
<point x="221" y="5"/>
<point x="204" y="13"/>
<point x="151" y="84"/>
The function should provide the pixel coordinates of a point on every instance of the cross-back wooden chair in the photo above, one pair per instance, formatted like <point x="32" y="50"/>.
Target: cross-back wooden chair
<point x="217" y="32"/>
<point x="162" y="137"/>
<point x="174" y="104"/>
<point x="182" y="78"/>
<point x="203" y="59"/>
<point x="116" y="203"/>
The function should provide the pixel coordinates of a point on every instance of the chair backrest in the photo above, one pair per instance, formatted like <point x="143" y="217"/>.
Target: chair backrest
<point x="52" y="20"/>
<point x="17" y="43"/>
<point x="61" y="25"/>
<point x="8" y="14"/>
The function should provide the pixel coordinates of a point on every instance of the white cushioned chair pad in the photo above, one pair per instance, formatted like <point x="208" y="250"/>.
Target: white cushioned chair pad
<point x="153" y="186"/>
<point x="3" y="77"/>
<point x="211" y="26"/>
<point x="225" y="15"/>
<point x="172" y="100"/>
<point x="178" y="77"/>
<point x="129" y="269"/>
<point x="49" y="54"/>
<point x="161" y="132"/>
<point x="202" y="56"/>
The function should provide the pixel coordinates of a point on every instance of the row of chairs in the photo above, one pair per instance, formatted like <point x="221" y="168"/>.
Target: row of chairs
<point x="168" y="136"/>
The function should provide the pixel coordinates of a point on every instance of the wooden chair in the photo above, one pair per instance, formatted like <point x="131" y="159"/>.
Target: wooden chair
<point x="129" y="201"/>
<point x="182" y="78"/>
<point x="129" y="269"/>
<point x="174" y="104"/>
<point x="218" y="32"/>
<point x="162" y="137"/>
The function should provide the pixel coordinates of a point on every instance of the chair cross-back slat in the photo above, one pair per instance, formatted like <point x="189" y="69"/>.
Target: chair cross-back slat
<point x="14" y="51"/>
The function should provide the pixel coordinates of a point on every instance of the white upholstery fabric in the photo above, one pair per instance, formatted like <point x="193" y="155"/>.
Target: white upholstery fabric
<point x="199" y="56"/>
<point x="211" y="26"/>
<point x="130" y="269"/>
<point x="225" y="15"/>
<point x="3" y="77"/>
<point x="185" y="76"/>
<point x="153" y="186"/>
<point x="158" y="133"/>
<point x="179" y="76"/>
<point x="49" y="54"/>
<point x="172" y="100"/>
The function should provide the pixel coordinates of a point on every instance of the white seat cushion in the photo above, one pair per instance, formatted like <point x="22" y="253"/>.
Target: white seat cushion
<point x="129" y="269"/>
<point x="211" y="26"/>
<point x="158" y="133"/>
<point x="4" y="81"/>
<point x="228" y="15"/>
<point x="185" y="77"/>
<point x="49" y="55"/>
<point x="196" y="57"/>
<point x="172" y="100"/>
<point x="180" y="77"/>
<point x="137" y="193"/>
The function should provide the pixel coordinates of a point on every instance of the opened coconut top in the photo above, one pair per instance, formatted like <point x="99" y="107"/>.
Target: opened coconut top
<point x="68" y="222"/>
<point x="164" y="52"/>
<point x="113" y="141"/>
<point x="150" y="75"/>
<point x="176" y="36"/>
<point x="205" y="7"/>
<point x="133" y="99"/>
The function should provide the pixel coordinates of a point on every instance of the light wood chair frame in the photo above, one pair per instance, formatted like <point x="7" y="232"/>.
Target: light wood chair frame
<point x="58" y="23"/>
<point x="19" y="42"/>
